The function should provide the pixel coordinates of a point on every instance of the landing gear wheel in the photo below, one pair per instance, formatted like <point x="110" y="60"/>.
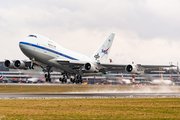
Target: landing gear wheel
<point x="45" y="75"/>
<point x="48" y="76"/>
<point x="71" y="80"/>
<point x="49" y="79"/>
<point x="31" y="67"/>
<point x="63" y="80"/>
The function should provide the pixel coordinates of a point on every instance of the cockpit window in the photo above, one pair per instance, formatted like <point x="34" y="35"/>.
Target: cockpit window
<point x="32" y="36"/>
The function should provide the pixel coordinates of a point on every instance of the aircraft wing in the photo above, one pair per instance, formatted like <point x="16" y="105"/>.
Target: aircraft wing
<point x="112" y="67"/>
<point x="71" y="63"/>
<point x="104" y="67"/>
<point x="155" y="66"/>
<point x="67" y="62"/>
<point x="122" y="67"/>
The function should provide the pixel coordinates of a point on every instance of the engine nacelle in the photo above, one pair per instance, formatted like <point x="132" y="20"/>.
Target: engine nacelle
<point x="18" y="64"/>
<point x="90" y="67"/>
<point x="133" y="69"/>
<point x="9" y="64"/>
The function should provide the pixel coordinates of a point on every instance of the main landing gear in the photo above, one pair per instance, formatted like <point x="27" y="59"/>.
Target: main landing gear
<point x="64" y="79"/>
<point x="77" y="79"/>
<point x="48" y="76"/>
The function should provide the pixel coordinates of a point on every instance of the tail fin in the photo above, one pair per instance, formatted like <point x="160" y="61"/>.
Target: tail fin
<point x="101" y="54"/>
<point x="1" y="76"/>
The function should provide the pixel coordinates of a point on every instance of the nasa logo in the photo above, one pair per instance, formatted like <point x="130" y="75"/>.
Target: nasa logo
<point x="104" y="51"/>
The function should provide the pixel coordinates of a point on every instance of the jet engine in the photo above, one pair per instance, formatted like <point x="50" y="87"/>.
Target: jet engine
<point x="133" y="69"/>
<point x="90" y="67"/>
<point x="20" y="65"/>
<point x="9" y="64"/>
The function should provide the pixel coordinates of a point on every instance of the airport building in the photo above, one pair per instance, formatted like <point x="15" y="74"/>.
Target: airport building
<point x="114" y="77"/>
<point x="2" y="68"/>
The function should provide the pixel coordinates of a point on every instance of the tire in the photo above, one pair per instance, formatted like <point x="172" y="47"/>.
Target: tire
<point x="45" y="75"/>
<point x="48" y="75"/>
<point x="71" y="80"/>
<point x="29" y="67"/>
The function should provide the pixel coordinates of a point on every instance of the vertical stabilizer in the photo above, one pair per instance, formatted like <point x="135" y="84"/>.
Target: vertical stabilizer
<point x="101" y="54"/>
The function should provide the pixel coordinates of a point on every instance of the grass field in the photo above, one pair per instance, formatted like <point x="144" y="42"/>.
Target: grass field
<point x="119" y="108"/>
<point x="106" y="108"/>
<point x="83" y="88"/>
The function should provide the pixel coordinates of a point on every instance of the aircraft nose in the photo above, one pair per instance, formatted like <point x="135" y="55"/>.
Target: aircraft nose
<point x="26" y="46"/>
<point x="22" y="44"/>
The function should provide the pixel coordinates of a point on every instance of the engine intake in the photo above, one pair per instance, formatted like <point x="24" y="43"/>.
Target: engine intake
<point x="87" y="66"/>
<point x="9" y="64"/>
<point x="90" y="67"/>
<point x="133" y="69"/>
<point x="20" y="64"/>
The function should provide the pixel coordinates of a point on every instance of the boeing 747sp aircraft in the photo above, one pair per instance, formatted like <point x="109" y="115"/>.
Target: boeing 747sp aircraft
<point x="50" y="56"/>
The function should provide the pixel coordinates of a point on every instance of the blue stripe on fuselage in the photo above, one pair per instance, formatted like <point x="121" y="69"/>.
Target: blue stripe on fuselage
<point x="47" y="49"/>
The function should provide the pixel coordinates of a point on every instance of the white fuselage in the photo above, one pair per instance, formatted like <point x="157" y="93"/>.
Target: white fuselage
<point x="46" y="51"/>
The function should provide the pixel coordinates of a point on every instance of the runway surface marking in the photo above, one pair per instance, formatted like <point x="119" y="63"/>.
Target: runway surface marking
<point x="85" y="95"/>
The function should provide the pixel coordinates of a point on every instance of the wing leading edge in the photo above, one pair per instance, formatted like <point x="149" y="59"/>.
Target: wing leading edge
<point x="139" y="67"/>
<point x="104" y="67"/>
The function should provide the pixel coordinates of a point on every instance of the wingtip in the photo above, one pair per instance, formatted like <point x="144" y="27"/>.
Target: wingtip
<point x="173" y="66"/>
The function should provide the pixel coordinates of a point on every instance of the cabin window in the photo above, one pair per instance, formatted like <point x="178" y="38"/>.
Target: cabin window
<point x="32" y="36"/>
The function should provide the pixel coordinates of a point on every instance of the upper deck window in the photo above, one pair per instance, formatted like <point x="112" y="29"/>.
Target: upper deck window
<point x="32" y="36"/>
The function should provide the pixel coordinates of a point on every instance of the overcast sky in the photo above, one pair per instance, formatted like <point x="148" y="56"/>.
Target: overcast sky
<point x="146" y="31"/>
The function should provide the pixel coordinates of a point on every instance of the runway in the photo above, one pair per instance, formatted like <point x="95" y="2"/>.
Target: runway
<point x="84" y="95"/>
